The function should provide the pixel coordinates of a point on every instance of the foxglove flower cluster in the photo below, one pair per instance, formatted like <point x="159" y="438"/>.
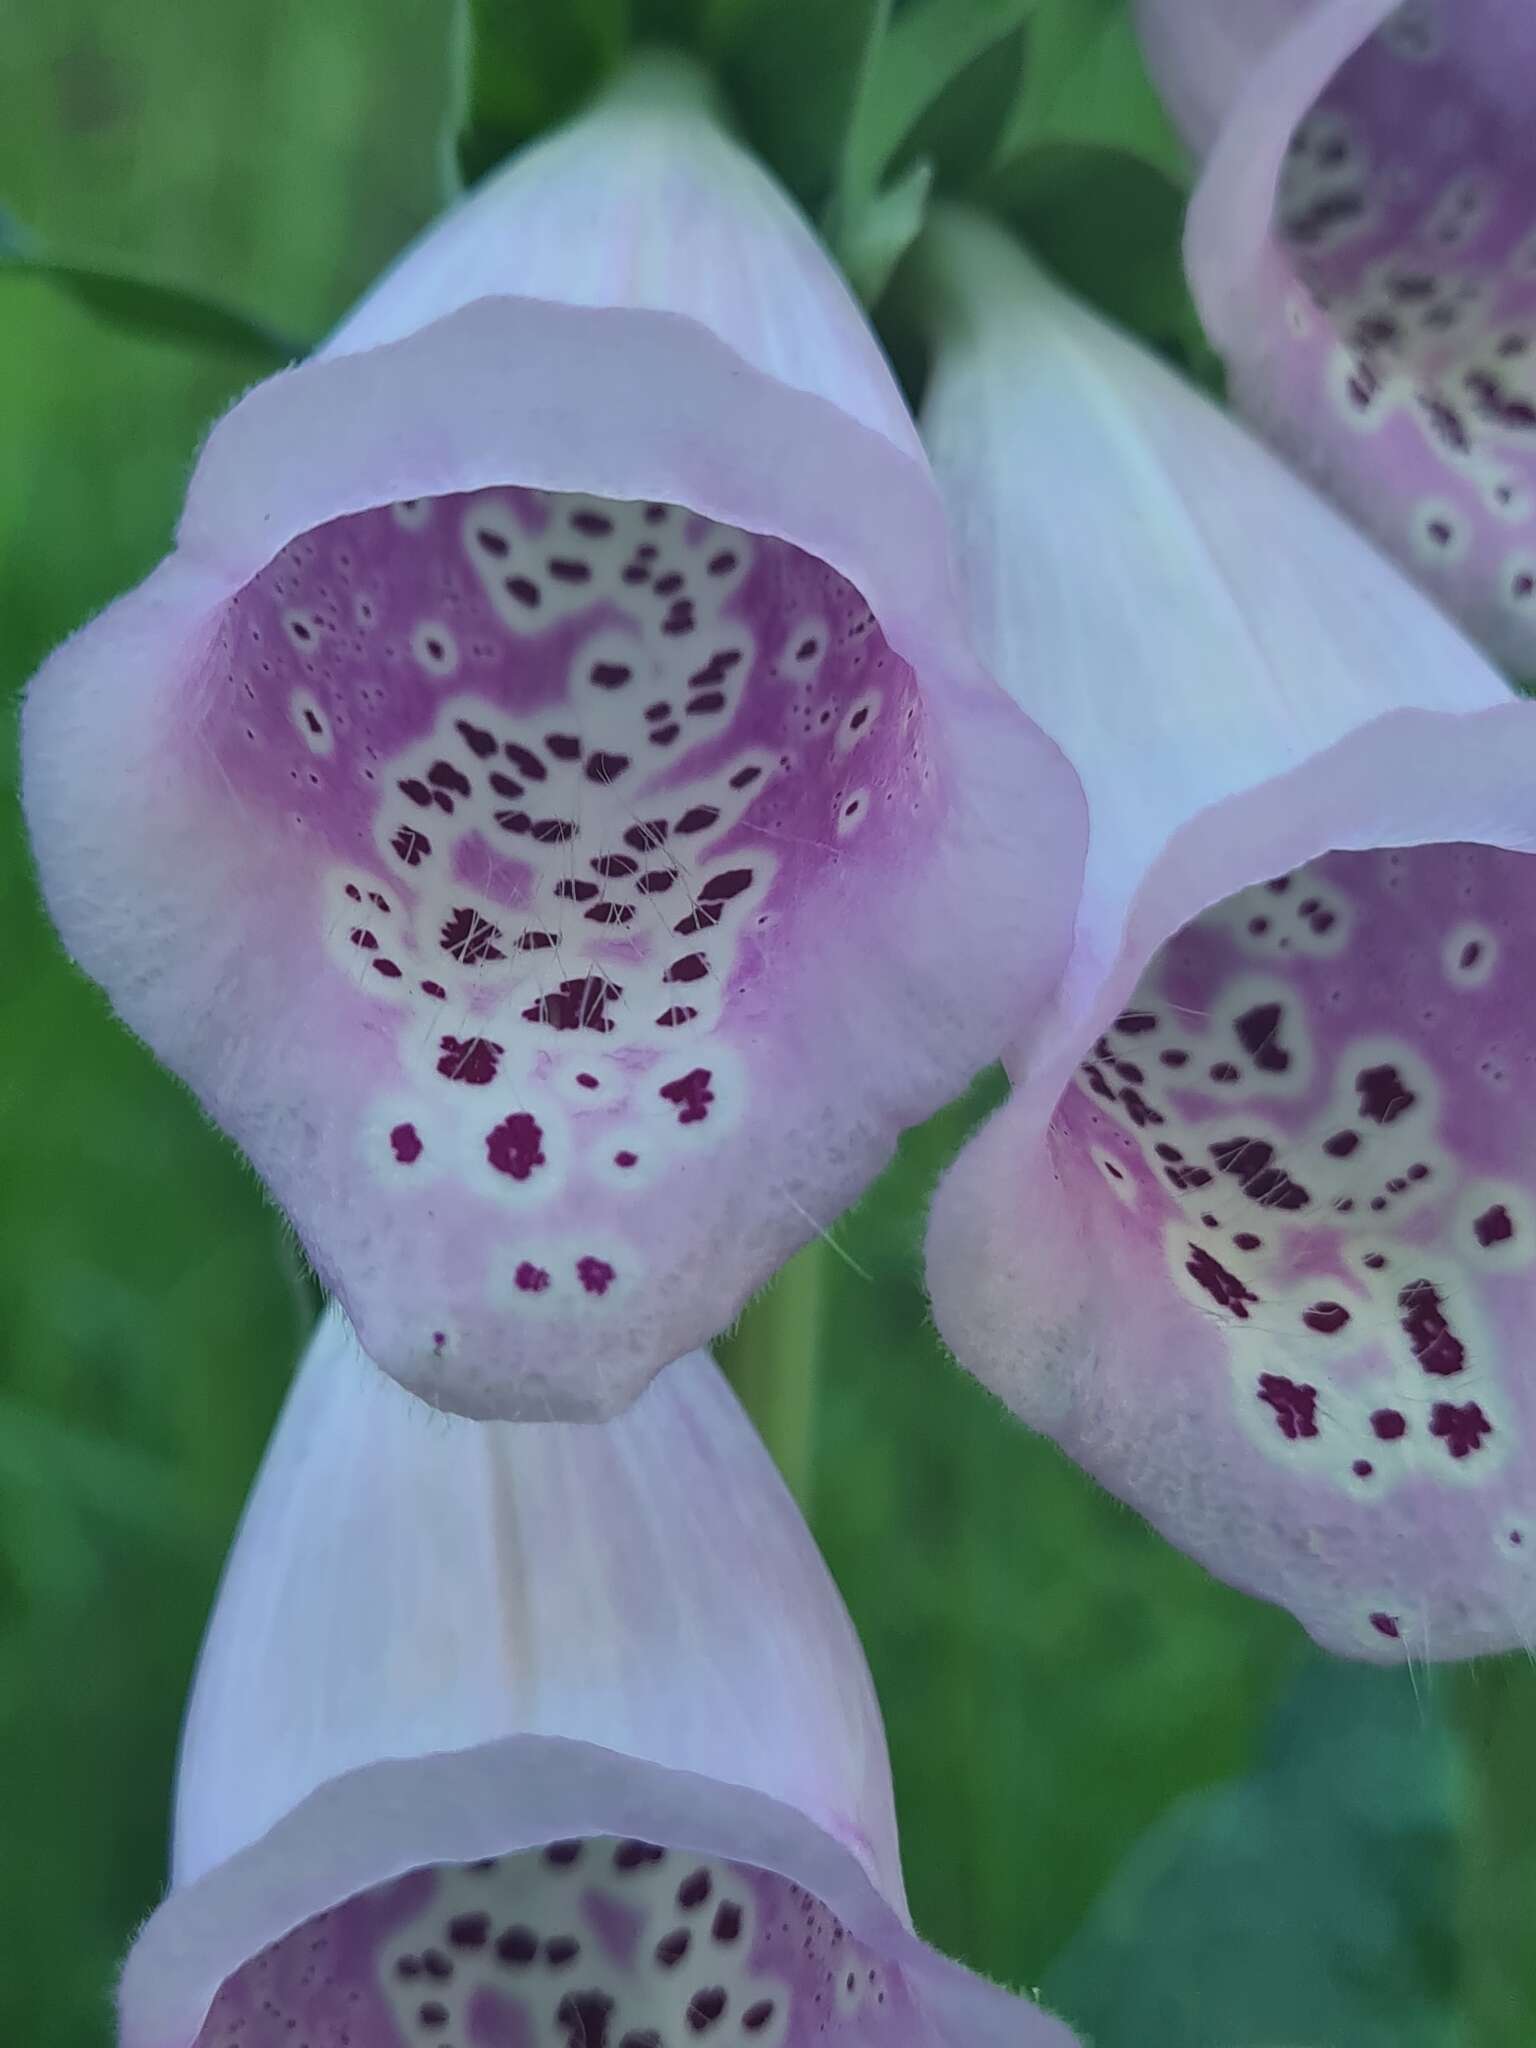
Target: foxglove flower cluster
<point x="1363" y="250"/>
<point x="549" y="1735"/>
<point x="1254" y="1239"/>
<point x="546" y="806"/>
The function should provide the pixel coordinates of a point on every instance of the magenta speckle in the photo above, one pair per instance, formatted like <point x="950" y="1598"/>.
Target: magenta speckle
<point x="595" y="1275"/>
<point x="516" y="1145"/>
<point x="406" y="1144"/>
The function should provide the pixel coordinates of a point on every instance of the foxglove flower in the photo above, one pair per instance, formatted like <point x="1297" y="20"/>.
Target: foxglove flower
<point x="535" y="1735"/>
<point x="1253" y="1238"/>
<point x="546" y="806"/>
<point x="1363" y="250"/>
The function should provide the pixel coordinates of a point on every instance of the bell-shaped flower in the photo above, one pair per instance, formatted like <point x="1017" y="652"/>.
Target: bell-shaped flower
<point x="536" y="1736"/>
<point x="1254" y="1238"/>
<point x="1362" y="246"/>
<point x="546" y="806"/>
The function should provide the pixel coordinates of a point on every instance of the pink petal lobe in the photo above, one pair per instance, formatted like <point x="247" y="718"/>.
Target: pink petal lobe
<point x="1200" y="53"/>
<point x="546" y="767"/>
<point x="1361" y="246"/>
<point x="481" y="1724"/>
<point x="1233" y="1219"/>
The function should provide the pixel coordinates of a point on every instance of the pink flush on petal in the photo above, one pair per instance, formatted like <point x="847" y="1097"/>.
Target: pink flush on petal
<point x="596" y="1943"/>
<point x="547" y="806"/>
<point x="1393" y="345"/>
<point x="555" y="769"/>
<point x="1309" y="1139"/>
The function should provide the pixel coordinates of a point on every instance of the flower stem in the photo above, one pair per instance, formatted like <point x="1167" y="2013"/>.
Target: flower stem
<point x="772" y="1358"/>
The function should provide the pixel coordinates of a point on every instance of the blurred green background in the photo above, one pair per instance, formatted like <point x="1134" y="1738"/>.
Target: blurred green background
<point x="1118" y="1779"/>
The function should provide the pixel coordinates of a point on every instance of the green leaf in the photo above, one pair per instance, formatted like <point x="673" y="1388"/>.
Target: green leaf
<point x="1111" y="227"/>
<point x="1311" y="1902"/>
<point x="159" y="310"/>
<point x="794" y="70"/>
<point x="1052" y="1672"/>
<point x="933" y="101"/>
<point x="531" y="64"/>
<point x="1085" y="82"/>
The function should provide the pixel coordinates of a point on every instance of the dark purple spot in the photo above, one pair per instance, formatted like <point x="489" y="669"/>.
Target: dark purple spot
<point x="1224" y="1288"/>
<point x="1326" y="1317"/>
<point x="435" y="1963"/>
<point x="495" y="544"/>
<point x="562" y="1950"/>
<point x="435" y="989"/>
<point x="412" y="846"/>
<point x="553" y="831"/>
<point x="525" y="762"/>
<point x="1246" y="1241"/>
<point x="626" y="1158"/>
<point x="1388" y="1424"/>
<point x="517" y="1945"/>
<point x="645" y="837"/>
<point x="537" y="942"/>
<point x="515" y="1146"/>
<point x="443" y="775"/>
<point x="569" y="890"/>
<point x="564" y="570"/>
<point x="1383" y="1094"/>
<point x="586" y="1080"/>
<point x="631" y="1855"/>
<point x="364" y="940"/>
<point x="694" y="1890"/>
<point x="1174" y="1057"/>
<point x="1386" y="1625"/>
<point x="605" y="768"/>
<point x="1430" y="1337"/>
<point x="1250" y="1161"/>
<point x="406" y="1144"/>
<point x="579" y="1004"/>
<point x="691" y="1094"/>
<point x="705" y="2007"/>
<point x="531" y="1279"/>
<point x="698" y="819"/>
<point x="514" y="821"/>
<point x="595" y="1275"/>
<point x="1257" y="1031"/>
<point x="1295" y="1405"/>
<point x="525" y="591"/>
<point x="478" y="740"/>
<point x="431" y="2014"/>
<point x="418" y="792"/>
<point x="679" y="1013"/>
<point x="584" y="2016"/>
<point x="745" y="777"/>
<point x="721" y="564"/>
<point x="472" y="1060"/>
<point x="611" y="865"/>
<point x="592" y="522"/>
<point x="470" y="938"/>
<point x="1362" y="1468"/>
<point x="387" y="968"/>
<point x="727" y="1922"/>
<point x="757" y="2016"/>
<point x="562" y="1854"/>
<point x="565" y="746"/>
<point x="707" y="700"/>
<point x="1493" y="1226"/>
<point x="666" y="585"/>
<point x="680" y="618"/>
<point x="1341" y="1144"/>
<point x="692" y="967"/>
<point x="1462" y="1429"/>
<point x="672" y="1947"/>
<point x="805" y="650"/>
<point x="664" y="735"/>
<point x="610" y="675"/>
<point x="1134" y="1022"/>
<point x="469" y="1930"/>
<point x="1225" y="1073"/>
